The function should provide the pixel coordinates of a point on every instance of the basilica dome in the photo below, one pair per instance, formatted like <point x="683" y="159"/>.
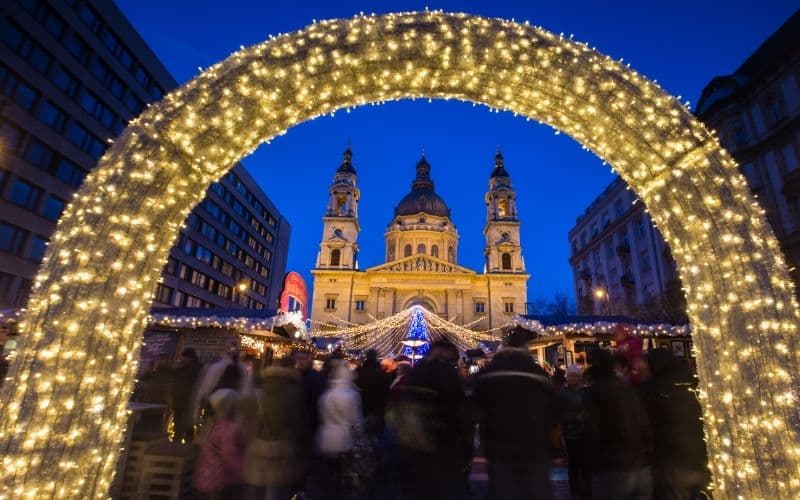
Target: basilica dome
<point x="422" y="197"/>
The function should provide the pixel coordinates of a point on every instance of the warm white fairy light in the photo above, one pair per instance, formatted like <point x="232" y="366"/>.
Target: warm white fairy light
<point x="90" y="300"/>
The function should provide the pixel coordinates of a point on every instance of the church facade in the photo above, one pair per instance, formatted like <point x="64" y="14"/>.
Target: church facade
<point x="421" y="258"/>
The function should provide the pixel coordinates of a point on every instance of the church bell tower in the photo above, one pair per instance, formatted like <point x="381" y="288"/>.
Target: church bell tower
<point x="503" y="246"/>
<point x="338" y="249"/>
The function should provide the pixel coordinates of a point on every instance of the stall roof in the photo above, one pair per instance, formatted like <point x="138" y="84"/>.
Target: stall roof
<point x="558" y="320"/>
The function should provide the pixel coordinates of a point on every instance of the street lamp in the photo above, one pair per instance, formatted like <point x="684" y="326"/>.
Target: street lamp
<point x="602" y="295"/>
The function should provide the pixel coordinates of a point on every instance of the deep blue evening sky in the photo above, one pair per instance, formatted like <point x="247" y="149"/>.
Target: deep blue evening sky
<point x="682" y="45"/>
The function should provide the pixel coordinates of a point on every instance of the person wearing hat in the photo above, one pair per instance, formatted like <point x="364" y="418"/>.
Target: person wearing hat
<point x="618" y="435"/>
<point x="519" y="417"/>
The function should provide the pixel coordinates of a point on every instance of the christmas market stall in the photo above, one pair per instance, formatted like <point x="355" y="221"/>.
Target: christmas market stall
<point x="565" y="340"/>
<point x="256" y="334"/>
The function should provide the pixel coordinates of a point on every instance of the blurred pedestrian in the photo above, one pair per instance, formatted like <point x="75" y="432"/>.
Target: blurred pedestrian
<point x="276" y="425"/>
<point x="183" y="383"/>
<point x="218" y="471"/>
<point x="433" y="428"/>
<point x="572" y="416"/>
<point x="618" y="434"/>
<point x="519" y="418"/>
<point x="680" y="470"/>
<point x="335" y="441"/>
<point x="373" y="383"/>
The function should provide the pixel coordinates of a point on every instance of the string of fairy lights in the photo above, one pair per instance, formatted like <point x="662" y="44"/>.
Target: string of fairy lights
<point x="63" y="410"/>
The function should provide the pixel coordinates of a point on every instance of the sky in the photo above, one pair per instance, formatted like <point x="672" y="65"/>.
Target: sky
<point x="680" y="44"/>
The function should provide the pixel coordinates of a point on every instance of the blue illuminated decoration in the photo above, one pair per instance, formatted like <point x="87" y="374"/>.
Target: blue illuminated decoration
<point x="417" y="341"/>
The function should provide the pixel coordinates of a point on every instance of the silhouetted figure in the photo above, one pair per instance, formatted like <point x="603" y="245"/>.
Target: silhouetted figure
<point x="183" y="383"/>
<point x="373" y="383"/>
<point x="277" y="427"/>
<point x="433" y="429"/>
<point x="572" y="418"/>
<point x="519" y="415"/>
<point x="618" y="433"/>
<point x="339" y="423"/>
<point x="680" y="468"/>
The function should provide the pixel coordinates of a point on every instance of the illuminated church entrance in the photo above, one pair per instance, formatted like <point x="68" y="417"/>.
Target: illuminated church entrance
<point x="64" y="410"/>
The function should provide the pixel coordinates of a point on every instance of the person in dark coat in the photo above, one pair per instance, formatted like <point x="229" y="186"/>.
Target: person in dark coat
<point x="433" y="428"/>
<point x="373" y="383"/>
<point x="519" y="416"/>
<point x="680" y="470"/>
<point x="617" y="433"/>
<point x="572" y="417"/>
<point x="182" y="387"/>
<point x="276" y="428"/>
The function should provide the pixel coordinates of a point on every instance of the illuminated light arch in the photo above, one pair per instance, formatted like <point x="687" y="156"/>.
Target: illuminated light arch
<point x="63" y="410"/>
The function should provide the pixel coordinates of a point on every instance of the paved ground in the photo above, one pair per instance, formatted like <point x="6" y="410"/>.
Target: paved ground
<point x="479" y="477"/>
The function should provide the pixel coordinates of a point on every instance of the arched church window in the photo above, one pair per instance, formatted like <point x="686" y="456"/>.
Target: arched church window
<point x="390" y="253"/>
<point x="434" y="251"/>
<point x="335" y="256"/>
<point x="407" y="251"/>
<point x="337" y="233"/>
<point x="502" y="208"/>
<point x="451" y="254"/>
<point x="341" y="201"/>
<point x="420" y="248"/>
<point x="506" y="261"/>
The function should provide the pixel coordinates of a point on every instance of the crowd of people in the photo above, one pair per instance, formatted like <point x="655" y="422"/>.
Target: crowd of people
<point x="626" y="425"/>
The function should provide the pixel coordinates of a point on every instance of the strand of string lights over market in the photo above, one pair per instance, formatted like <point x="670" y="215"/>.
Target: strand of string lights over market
<point x="387" y="335"/>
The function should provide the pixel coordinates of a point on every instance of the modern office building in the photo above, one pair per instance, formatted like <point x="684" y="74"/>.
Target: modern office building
<point x="755" y="112"/>
<point x="72" y="74"/>
<point x="619" y="261"/>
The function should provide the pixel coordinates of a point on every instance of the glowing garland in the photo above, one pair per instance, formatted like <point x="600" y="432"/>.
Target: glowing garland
<point x="64" y="411"/>
<point x="602" y="327"/>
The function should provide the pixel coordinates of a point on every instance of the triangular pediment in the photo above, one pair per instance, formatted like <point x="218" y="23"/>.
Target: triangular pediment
<point x="420" y="263"/>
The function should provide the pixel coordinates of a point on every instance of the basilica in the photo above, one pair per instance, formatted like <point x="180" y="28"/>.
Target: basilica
<point x="421" y="259"/>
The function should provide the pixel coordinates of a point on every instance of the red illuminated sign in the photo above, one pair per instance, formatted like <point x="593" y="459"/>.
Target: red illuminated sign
<point x="294" y="296"/>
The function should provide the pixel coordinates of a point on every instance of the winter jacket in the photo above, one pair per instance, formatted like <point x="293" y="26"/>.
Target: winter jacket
<point x="617" y="429"/>
<point x="339" y="413"/>
<point x="675" y="414"/>
<point x="518" y="408"/>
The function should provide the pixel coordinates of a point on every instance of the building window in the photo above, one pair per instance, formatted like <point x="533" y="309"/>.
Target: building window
<point x="434" y="250"/>
<point x="361" y="305"/>
<point x="420" y="248"/>
<point x="407" y="251"/>
<point x="133" y="103"/>
<point x="65" y="82"/>
<point x="107" y="77"/>
<point x="69" y="173"/>
<point x="25" y="195"/>
<point x="203" y="253"/>
<point x="335" y="256"/>
<point x="223" y="290"/>
<point x="78" y="48"/>
<point x="451" y="254"/>
<point x="12" y="238"/>
<point x="774" y="109"/>
<point x="19" y="91"/>
<point x="480" y="307"/>
<point x="52" y="116"/>
<point x="192" y="301"/>
<point x="36" y="248"/>
<point x="506" y="261"/>
<point x="508" y="307"/>
<point x="619" y="208"/>
<point x="89" y="17"/>
<point x="644" y="260"/>
<point x="739" y="131"/>
<point x="641" y="227"/>
<point x="178" y="298"/>
<point x="330" y="304"/>
<point x="198" y="279"/>
<point x="53" y="208"/>
<point x="163" y="294"/>
<point x="86" y="141"/>
<point x="98" y="109"/>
